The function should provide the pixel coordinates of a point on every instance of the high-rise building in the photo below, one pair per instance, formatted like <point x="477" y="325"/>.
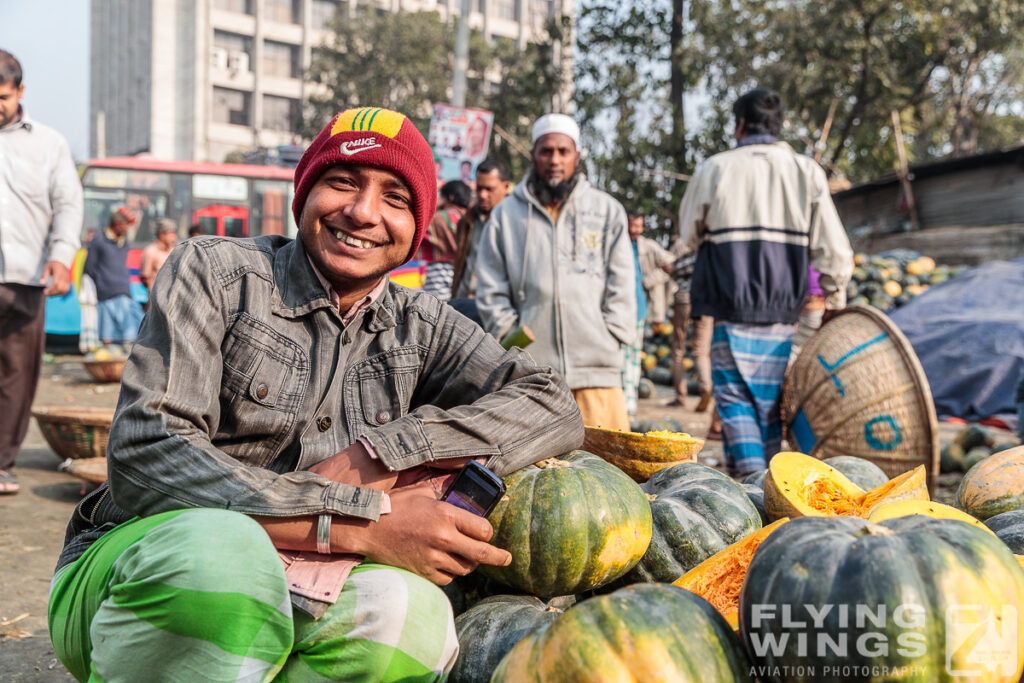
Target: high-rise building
<point x="198" y="79"/>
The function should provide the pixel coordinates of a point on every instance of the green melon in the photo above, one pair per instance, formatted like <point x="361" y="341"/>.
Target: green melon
<point x="572" y="524"/>
<point x="697" y="512"/>
<point x="644" y="633"/>
<point x="909" y="573"/>
<point x="1009" y="527"/>
<point x="861" y="472"/>
<point x="493" y="626"/>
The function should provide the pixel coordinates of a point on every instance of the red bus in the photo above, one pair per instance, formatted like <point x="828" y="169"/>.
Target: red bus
<point x="233" y="200"/>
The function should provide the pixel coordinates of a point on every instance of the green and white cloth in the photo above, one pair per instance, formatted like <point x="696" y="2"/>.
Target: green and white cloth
<point x="200" y="594"/>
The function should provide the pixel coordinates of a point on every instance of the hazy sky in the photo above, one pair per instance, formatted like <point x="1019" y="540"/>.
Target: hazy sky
<point x="51" y="40"/>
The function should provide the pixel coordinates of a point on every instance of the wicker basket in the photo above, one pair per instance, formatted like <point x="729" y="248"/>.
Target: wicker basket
<point x="92" y="470"/>
<point x="105" y="370"/>
<point x="76" y="432"/>
<point x="858" y="389"/>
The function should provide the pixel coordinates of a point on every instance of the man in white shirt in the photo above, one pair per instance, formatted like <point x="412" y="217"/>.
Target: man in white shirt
<point x="40" y="224"/>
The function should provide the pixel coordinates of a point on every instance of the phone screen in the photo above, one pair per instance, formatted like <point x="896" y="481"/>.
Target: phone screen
<point x="470" y="491"/>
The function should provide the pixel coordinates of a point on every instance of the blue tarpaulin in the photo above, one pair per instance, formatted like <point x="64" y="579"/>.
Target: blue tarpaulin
<point x="968" y="333"/>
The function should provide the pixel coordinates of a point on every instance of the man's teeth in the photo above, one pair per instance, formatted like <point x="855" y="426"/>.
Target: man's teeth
<point x="354" y="241"/>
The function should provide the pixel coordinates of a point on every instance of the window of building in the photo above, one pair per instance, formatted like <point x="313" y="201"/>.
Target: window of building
<point x="323" y="12"/>
<point x="232" y="106"/>
<point x="240" y="6"/>
<point x="280" y="113"/>
<point x="280" y="59"/>
<point x="232" y="51"/>
<point x="281" y="11"/>
<point x="505" y="9"/>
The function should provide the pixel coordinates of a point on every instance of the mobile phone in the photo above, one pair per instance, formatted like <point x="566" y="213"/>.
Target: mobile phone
<point x="475" y="488"/>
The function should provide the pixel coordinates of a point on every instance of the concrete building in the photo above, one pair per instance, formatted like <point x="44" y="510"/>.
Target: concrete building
<point x="198" y="79"/>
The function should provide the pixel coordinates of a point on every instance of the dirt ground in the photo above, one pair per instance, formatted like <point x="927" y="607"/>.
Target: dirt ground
<point x="32" y="523"/>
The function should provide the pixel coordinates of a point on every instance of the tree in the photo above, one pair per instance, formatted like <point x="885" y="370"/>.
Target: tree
<point x="404" y="61"/>
<point x="948" y="64"/>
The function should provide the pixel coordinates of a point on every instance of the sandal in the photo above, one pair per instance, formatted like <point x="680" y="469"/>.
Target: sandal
<point x="8" y="484"/>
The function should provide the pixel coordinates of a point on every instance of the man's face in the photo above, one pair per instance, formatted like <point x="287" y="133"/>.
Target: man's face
<point x="119" y="226"/>
<point x="167" y="239"/>
<point x="636" y="227"/>
<point x="490" y="190"/>
<point x="357" y="224"/>
<point x="555" y="157"/>
<point x="10" y="96"/>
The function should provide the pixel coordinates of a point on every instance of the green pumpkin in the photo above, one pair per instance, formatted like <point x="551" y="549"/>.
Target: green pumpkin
<point x="994" y="485"/>
<point x="907" y="572"/>
<point x="572" y="524"/>
<point x="643" y="633"/>
<point x="492" y="627"/>
<point x="755" y="478"/>
<point x="697" y="512"/>
<point x="660" y="375"/>
<point x="756" y="496"/>
<point x="1009" y="527"/>
<point x="951" y="458"/>
<point x="644" y="388"/>
<point x="861" y="472"/>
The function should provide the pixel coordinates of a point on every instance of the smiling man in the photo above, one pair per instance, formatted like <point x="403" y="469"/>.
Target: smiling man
<point x="556" y="257"/>
<point x="286" y="421"/>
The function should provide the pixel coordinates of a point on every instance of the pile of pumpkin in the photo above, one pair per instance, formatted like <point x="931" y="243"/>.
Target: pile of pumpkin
<point x="890" y="280"/>
<point x="970" y="446"/>
<point x="685" y="576"/>
<point x="656" y="360"/>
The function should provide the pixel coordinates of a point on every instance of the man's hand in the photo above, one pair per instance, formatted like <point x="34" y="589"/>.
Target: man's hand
<point x="60" y="280"/>
<point x="430" y="538"/>
<point x="355" y="466"/>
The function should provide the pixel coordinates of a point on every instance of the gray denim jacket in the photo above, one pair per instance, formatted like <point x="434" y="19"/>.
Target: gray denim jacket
<point x="244" y="376"/>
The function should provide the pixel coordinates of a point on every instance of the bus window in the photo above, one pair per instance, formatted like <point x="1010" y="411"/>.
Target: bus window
<point x="146" y="207"/>
<point x="270" y="209"/>
<point x="234" y="227"/>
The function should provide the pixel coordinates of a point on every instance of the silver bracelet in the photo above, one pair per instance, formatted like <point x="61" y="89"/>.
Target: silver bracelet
<point x="323" y="534"/>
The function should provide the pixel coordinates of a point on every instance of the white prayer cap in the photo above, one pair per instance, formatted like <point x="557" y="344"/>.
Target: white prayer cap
<point x="556" y="123"/>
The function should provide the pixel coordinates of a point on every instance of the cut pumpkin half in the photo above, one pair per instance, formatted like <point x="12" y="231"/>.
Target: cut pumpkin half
<point x="638" y="454"/>
<point x="928" y="508"/>
<point x="719" y="578"/>
<point x="798" y="485"/>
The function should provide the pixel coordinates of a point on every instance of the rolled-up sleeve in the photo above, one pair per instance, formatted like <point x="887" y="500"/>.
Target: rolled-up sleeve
<point x="479" y="400"/>
<point x="160" y="452"/>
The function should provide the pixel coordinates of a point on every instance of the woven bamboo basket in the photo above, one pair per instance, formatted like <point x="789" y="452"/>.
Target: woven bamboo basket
<point x="76" y="432"/>
<point x="92" y="470"/>
<point x="105" y="370"/>
<point x="857" y="388"/>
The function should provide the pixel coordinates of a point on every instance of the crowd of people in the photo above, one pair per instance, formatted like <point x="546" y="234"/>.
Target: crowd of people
<point x="288" y="416"/>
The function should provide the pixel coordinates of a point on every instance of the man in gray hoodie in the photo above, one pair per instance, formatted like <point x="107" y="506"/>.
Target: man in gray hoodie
<point x="556" y="257"/>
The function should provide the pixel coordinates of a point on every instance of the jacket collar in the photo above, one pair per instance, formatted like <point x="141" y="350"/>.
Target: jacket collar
<point x="300" y="292"/>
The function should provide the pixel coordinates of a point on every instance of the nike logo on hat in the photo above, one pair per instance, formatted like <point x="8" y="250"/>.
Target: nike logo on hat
<point x="350" y="147"/>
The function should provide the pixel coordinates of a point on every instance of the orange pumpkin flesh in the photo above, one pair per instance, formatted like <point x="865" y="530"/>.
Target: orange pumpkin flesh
<point x="719" y="578"/>
<point x="799" y="485"/>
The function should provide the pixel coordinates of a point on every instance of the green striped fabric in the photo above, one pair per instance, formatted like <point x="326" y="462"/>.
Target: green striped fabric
<point x="201" y="595"/>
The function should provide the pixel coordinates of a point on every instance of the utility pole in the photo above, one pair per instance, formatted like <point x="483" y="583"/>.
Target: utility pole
<point x="461" y="57"/>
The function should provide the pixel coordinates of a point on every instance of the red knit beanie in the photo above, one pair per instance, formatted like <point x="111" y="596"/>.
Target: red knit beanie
<point x="379" y="138"/>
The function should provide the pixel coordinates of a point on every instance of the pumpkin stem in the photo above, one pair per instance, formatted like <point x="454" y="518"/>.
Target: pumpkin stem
<point x="552" y="463"/>
<point x="872" y="529"/>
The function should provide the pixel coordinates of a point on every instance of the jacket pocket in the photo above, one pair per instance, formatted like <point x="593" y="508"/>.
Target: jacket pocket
<point x="263" y="385"/>
<point x="379" y="389"/>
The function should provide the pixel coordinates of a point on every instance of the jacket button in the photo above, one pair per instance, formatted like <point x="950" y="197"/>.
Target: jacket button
<point x="323" y="424"/>
<point x="383" y="417"/>
<point x="262" y="391"/>
<point x="345" y="338"/>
